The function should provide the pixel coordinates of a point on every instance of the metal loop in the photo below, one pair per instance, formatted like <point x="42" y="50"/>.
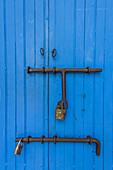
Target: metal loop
<point x="89" y="70"/>
<point x="54" y="52"/>
<point x="41" y="51"/>
<point x="42" y="137"/>
<point x="89" y="137"/>
<point x="28" y="139"/>
<point x="61" y="103"/>
<point x="43" y="70"/>
<point x="54" y="138"/>
<point x="66" y="104"/>
<point x="54" y="70"/>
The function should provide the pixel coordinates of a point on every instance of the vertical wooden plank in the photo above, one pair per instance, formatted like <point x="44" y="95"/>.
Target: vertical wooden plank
<point x="89" y="47"/>
<point x="24" y="53"/>
<point x="69" y="59"/>
<point x="56" y="40"/>
<point x="2" y="83"/>
<point x="30" y="84"/>
<point x="46" y="83"/>
<point x="79" y="95"/>
<point x="37" y="88"/>
<point x="60" y="33"/>
<point x="42" y="83"/>
<point x="98" y="98"/>
<point x="108" y="86"/>
<point x="20" y="71"/>
<point x="39" y="83"/>
<point x="10" y="122"/>
<point x="53" y="79"/>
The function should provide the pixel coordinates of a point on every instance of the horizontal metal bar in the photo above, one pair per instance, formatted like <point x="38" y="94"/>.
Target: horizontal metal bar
<point x="89" y="140"/>
<point x="54" y="70"/>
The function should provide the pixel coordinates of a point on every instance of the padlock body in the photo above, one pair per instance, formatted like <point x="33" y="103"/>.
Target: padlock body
<point x="18" y="149"/>
<point x="59" y="114"/>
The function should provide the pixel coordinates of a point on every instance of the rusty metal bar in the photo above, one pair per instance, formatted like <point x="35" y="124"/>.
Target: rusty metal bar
<point x="43" y="139"/>
<point x="63" y="86"/>
<point x="63" y="104"/>
<point x="45" y="70"/>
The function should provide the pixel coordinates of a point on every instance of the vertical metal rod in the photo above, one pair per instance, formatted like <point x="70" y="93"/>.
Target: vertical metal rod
<point x="63" y="85"/>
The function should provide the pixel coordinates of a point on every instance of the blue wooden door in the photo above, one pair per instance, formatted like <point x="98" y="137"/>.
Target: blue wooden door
<point x="81" y="32"/>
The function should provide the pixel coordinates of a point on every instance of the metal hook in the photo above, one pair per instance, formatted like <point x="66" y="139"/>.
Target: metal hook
<point x="41" y="51"/>
<point x="54" y="52"/>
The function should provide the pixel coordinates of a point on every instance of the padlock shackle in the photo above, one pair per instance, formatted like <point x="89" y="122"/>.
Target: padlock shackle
<point x="20" y="140"/>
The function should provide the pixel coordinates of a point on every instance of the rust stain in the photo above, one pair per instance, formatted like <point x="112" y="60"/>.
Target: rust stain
<point x="83" y="96"/>
<point x="74" y="116"/>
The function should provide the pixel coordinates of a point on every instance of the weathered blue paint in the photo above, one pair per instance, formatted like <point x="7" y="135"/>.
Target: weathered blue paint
<point x="82" y="33"/>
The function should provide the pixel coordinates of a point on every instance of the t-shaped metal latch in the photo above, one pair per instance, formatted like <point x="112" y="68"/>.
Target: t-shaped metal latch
<point x="62" y="105"/>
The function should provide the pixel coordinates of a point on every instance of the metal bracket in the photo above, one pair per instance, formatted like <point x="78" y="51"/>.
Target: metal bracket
<point x="63" y="104"/>
<point x="43" y="139"/>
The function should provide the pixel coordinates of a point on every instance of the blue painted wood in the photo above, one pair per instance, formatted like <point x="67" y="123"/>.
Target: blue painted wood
<point x="3" y="86"/>
<point x="55" y="85"/>
<point x="89" y="49"/>
<point x="108" y="94"/>
<point x="20" y="90"/>
<point x="39" y="83"/>
<point x="82" y="32"/>
<point x="99" y="61"/>
<point x="78" y="84"/>
<point x="10" y="113"/>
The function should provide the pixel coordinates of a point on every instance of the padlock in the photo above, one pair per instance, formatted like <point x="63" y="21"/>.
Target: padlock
<point x="59" y="114"/>
<point x="19" y="147"/>
<point x="60" y="111"/>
